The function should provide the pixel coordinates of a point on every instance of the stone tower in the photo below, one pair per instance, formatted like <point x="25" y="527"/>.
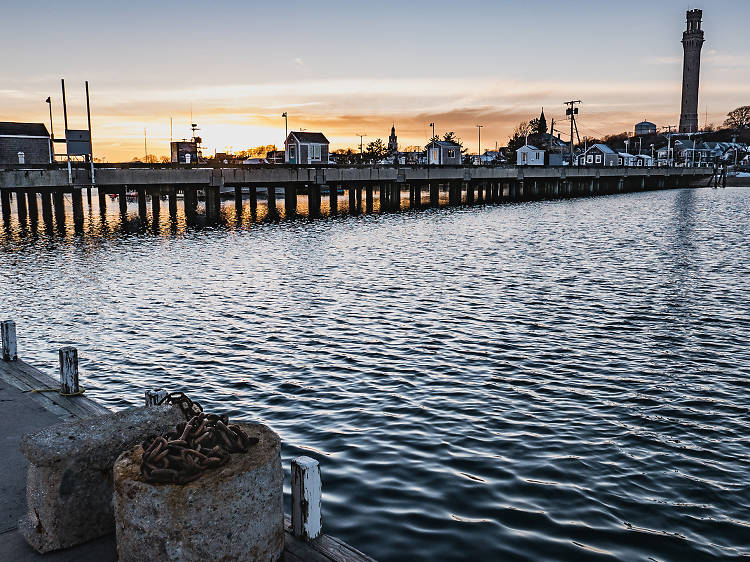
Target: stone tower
<point x="692" y="42"/>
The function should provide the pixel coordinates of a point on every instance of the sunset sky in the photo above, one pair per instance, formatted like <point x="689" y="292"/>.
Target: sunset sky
<point x="356" y="67"/>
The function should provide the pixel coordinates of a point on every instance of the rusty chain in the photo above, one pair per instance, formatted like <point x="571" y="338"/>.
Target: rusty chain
<point x="202" y="442"/>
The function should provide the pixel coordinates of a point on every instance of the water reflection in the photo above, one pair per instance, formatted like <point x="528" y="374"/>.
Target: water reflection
<point x="547" y="380"/>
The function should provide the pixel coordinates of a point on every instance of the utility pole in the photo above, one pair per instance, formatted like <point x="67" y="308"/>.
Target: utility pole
<point x="479" y="144"/>
<point x="571" y="111"/>
<point x="361" y="149"/>
<point x="145" y="147"/>
<point x="286" y="126"/>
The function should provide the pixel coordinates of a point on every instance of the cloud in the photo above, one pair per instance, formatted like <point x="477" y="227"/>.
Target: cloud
<point x="299" y="62"/>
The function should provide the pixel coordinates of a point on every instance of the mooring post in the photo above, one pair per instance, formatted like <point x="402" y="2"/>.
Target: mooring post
<point x="69" y="370"/>
<point x="8" y="336"/>
<point x="155" y="396"/>
<point x="307" y="518"/>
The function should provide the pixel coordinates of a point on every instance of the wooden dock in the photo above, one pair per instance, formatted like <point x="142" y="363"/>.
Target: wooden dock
<point x="25" y="411"/>
<point x="463" y="185"/>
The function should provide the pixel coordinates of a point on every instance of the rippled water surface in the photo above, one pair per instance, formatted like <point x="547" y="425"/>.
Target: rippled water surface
<point x="550" y="380"/>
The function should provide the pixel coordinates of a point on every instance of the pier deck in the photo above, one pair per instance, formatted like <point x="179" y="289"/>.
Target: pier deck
<point x="23" y="412"/>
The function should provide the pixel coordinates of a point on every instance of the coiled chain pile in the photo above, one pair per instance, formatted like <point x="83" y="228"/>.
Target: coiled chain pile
<point x="202" y="442"/>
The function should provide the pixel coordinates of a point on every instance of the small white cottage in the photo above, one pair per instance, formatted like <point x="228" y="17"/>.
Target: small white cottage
<point x="529" y="155"/>
<point x="302" y="147"/>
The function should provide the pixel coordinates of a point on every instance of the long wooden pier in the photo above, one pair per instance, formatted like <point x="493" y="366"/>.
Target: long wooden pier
<point x="384" y="187"/>
<point x="26" y="410"/>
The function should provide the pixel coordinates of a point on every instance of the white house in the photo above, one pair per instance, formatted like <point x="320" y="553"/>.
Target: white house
<point x="529" y="155"/>
<point x="302" y="147"/>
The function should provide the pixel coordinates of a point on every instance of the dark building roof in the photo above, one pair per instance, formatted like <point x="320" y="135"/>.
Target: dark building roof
<point x="304" y="136"/>
<point x="25" y="129"/>
<point x="449" y="144"/>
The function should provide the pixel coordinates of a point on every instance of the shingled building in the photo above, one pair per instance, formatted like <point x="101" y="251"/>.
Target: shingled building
<point x="25" y="143"/>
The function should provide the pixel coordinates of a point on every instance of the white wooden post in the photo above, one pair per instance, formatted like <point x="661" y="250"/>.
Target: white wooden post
<point x="8" y="331"/>
<point x="69" y="370"/>
<point x="154" y="396"/>
<point x="307" y="519"/>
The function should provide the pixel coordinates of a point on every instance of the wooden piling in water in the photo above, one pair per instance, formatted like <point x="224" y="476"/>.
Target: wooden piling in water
<point x="352" y="200"/>
<point x="102" y="202"/>
<point x="47" y="209"/>
<point x="395" y="202"/>
<point x="368" y="197"/>
<point x="253" y="200"/>
<point x="5" y="204"/>
<point x="313" y="200"/>
<point x="59" y="202"/>
<point x="333" y="198"/>
<point x="290" y="200"/>
<point x="142" y="210"/>
<point x="469" y="192"/>
<point x="434" y="189"/>
<point x="77" y="197"/>
<point x="358" y="192"/>
<point x="155" y="207"/>
<point x="238" y="201"/>
<point x="271" y="200"/>
<point x="21" y="206"/>
<point x="33" y="206"/>
<point x="172" y="195"/>
<point x="123" y="201"/>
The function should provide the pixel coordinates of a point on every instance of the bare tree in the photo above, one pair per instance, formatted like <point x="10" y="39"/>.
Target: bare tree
<point x="738" y="118"/>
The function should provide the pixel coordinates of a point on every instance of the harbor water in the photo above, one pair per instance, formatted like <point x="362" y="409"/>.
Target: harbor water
<point x="562" y="379"/>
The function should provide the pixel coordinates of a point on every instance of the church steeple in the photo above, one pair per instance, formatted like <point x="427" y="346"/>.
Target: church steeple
<point x="542" y="124"/>
<point x="392" y="140"/>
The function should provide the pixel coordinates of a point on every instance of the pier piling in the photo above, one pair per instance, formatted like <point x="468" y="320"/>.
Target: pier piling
<point x="142" y="211"/>
<point x="368" y="198"/>
<point x="290" y="200"/>
<point x="238" y="201"/>
<point x="5" y="204"/>
<point x="47" y="209"/>
<point x="155" y="208"/>
<point x="33" y="207"/>
<point x="122" y="197"/>
<point x="21" y="206"/>
<point x="333" y="198"/>
<point x="172" y="194"/>
<point x="77" y="197"/>
<point x="271" y="199"/>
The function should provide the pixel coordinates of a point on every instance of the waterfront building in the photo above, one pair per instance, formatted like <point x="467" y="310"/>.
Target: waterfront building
<point x="25" y="143"/>
<point x="445" y="153"/>
<point x="184" y="152"/>
<point x="530" y="155"/>
<point x="597" y="156"/>
<point x="645" y="128"/>
<point x="692" y="43"/>
<point x="303" y="147"/>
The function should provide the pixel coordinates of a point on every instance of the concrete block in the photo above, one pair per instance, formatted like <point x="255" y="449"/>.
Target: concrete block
<point x="234" y="512"/>
<point x="69" y="480"/>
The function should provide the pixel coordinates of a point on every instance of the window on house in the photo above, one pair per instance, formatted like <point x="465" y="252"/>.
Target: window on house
<point x="523" y="157"/>
<point x="314" y="152"/>
<point x="589" y="158"/>
<point x="292" y="152"/>
<point x="598" y="158"/>
<point x="619" y="161"/>
<point x="537" y="156"/>
<point x="451" y="153"/>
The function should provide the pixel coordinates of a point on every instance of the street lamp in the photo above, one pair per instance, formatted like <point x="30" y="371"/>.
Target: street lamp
<point x="51" y="131"/>
<point x="479" y="144"/>
<point x="286" y="126"/>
